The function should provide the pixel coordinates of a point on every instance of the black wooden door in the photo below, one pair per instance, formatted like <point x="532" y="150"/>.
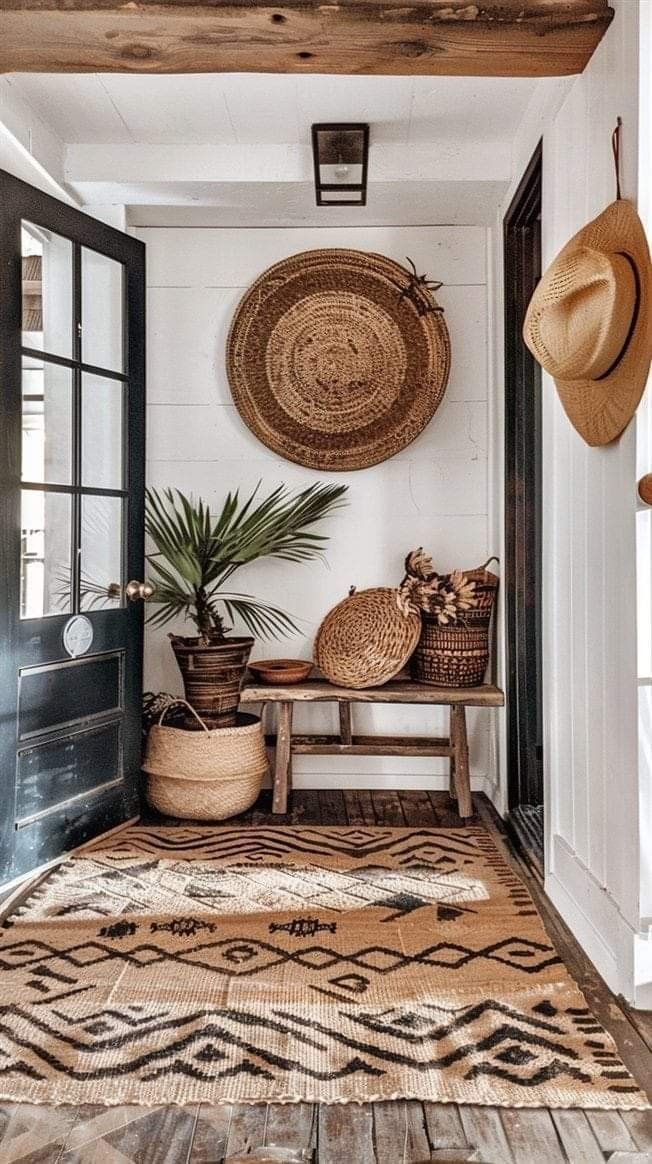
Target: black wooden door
<point x="71" y="525"/>
<point x="523" y="514"/>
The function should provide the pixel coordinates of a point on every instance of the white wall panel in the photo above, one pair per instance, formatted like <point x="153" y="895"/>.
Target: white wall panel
<point x="214" y="257"/>
<point x="466" y="314"/>
<point x="186" y="338"/>
<point x="643" y="951"/>
<point x="589" y="551"/>
<point x="432" y="493"/>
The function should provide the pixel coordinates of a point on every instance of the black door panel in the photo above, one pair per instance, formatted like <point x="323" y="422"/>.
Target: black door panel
<point x="71" y="525"/>
<point x="59" y="695"/>
<point x="64" y="828"/>
<point x="57" y="770"/>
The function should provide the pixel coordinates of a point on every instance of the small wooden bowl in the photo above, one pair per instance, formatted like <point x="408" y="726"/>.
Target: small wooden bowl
<point x="281" y="672"/>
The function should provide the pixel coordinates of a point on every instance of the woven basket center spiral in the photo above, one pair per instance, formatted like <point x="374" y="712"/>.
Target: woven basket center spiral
<point x="336" y="360"/>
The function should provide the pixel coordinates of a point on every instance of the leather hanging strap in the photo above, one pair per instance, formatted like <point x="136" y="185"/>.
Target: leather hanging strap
<point x="615" y="145"/>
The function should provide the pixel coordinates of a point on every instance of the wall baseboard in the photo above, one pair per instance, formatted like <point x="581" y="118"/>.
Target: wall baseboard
<point x="642" y="997"/>
<point x="592" y="914"/>
<point x="380" y="781"/>
<point x="643" y="972"/>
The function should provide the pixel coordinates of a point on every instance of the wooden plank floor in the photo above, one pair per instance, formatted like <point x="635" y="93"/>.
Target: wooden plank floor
<point x="383" y="1133"/>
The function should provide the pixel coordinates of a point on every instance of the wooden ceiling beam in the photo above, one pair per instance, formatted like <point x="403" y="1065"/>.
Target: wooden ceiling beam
<point x="517" y="38"/>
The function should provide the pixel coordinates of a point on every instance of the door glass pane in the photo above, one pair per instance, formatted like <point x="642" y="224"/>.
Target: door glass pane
<point x="102" y="311"/>
<point x="101" y="553"/>
<point x="45" y="582"/>
<point x="47" y="422"/>
<point x="101" y="432"/>
<point x="47" y="290"/>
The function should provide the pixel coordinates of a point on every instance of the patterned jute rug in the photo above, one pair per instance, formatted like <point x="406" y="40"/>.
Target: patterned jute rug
<point x="178" y="965"/>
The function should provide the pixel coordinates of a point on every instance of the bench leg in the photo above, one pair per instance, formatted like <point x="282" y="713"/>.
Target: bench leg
<point x="451" y="763"/>
<point x="461" y="749"/>
<point x="283" y="758"/>
<point x="346" y="731"/>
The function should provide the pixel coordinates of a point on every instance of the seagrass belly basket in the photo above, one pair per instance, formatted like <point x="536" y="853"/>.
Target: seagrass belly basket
<point x="205" y="774"/>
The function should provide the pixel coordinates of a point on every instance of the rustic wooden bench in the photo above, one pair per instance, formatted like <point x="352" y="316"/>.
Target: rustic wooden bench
<point x="454" y="746"/>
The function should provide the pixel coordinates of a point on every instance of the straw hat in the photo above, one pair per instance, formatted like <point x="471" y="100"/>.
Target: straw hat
<point x="589" y="323"/>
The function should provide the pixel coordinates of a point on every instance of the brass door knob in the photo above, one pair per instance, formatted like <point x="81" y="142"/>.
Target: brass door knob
<point x="645" y="488"/>
<point x="138" y="591"/>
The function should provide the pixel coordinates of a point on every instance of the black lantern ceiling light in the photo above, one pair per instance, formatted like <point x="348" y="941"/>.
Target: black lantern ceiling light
<point x="341" y="154"/>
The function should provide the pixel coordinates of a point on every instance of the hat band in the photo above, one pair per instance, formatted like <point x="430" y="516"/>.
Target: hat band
<point x="634" y="320"/>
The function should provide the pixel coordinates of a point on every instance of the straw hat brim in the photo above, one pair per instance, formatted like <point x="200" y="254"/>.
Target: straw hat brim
<point x="600" y="410"/>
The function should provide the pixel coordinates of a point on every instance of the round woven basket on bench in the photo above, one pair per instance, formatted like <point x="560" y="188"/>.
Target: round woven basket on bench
<point x="366" y="640"/>
<point x="204" y="774"/>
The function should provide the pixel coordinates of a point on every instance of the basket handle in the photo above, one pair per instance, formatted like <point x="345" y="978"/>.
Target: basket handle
<point x="184" y="702"/>
<point x="493" y="558"/>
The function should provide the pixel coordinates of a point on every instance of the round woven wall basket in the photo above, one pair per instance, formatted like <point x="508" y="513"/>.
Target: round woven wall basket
<point x="366" y="640"/>
<point x="337" y="359"/>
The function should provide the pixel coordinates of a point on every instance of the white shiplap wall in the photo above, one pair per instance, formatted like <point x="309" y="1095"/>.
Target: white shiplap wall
<point x="589" y="552"/>
<point x="643" y="953"/>
<point x="433" y="493"/>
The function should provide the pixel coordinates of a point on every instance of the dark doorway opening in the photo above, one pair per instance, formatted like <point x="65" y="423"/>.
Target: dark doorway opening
<point x="522" y="573"/>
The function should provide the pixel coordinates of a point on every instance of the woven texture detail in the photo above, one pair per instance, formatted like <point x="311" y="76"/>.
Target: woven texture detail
<point x="366" y="640"/>
<point x="457" y="655"/>
<point x="205" y="775"/>
<point x="207" y="965"/>
<point x="212" y="676"/>
<point x="332" y="364"/>
<point x="589" y="322"/>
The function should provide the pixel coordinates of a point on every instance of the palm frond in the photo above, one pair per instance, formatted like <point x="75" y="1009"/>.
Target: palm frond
<point x="195" y="553"/>
<point x="260" y="618"/>
<point x="277" y="526"/>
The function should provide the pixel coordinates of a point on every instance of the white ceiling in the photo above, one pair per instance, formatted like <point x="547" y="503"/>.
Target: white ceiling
<point x="250" y="108"/>
<point x="459" y="130"/>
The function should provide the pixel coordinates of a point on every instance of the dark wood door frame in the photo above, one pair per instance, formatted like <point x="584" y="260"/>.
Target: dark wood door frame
<point x="522" y="567"/>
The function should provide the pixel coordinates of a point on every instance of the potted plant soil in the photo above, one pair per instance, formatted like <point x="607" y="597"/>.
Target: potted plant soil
<point x="196" y="555"/>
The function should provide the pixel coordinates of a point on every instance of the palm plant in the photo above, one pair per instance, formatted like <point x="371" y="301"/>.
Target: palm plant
<point x="196" y="553"/>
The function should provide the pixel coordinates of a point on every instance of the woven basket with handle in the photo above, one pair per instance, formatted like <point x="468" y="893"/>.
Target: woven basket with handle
<point x="366" y="640"/>
<point x="204" y="774"/>
<point x="457" y="655"/>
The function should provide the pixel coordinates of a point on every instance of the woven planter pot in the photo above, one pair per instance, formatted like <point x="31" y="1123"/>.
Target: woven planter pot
<point x="457" y="655"/>
<point x="205" y="774"/>
<point x="366" y="640"/>
<point x="213" y="676"/>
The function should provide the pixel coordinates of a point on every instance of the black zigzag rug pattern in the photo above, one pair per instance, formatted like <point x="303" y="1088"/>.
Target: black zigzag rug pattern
<point x="196" y="964"/>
